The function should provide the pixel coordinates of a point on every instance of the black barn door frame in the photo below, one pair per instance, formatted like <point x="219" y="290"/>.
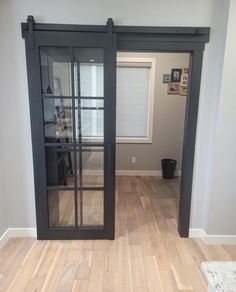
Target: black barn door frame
<point x="151" y="39"/>
<point x="35" y="40"/>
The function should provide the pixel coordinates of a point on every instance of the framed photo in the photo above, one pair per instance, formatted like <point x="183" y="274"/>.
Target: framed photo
<point x="173" y="88"/>
<point x="183" y="90"/>
<point x="166" y="78"/>
<point x="184" y="78"/>
<point x="176" y="75"/>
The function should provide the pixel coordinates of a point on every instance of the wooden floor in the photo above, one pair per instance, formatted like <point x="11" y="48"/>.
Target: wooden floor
<point x="147" y="255"/>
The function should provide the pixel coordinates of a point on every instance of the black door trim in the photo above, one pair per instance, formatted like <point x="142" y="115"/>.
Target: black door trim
<point x="152" y="39"/>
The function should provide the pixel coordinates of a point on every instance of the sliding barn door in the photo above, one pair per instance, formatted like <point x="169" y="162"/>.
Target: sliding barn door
<point x="72" y="86"/>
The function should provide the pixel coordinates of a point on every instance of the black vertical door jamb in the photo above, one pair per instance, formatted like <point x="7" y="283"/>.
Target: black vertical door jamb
<point x="191" y="114"/>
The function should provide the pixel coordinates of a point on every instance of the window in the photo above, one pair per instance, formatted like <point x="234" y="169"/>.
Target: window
<point x="135" y="98"/>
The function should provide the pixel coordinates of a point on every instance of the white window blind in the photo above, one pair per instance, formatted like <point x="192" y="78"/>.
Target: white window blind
<point x="132" y="101"/>
<point x="91" y="85"/>
<point x="91" y="80"/>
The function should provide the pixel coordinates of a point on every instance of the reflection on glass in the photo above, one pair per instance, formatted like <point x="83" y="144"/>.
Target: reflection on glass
<point x="58" y="123"/>
<point x="89" y="72"/>
<point x="93" y="208"/>
<point x="91" y="103"/>
<point x="59" y="166"/>
<point x="90" y="167"/>
<point x="56" y="71"/>
<point x="89" y="120"/>
<point x="61" y="208"/>
<point x="92" y="123"/>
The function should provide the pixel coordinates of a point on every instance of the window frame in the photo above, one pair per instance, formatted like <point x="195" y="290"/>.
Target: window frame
<point x="151" y="98"/>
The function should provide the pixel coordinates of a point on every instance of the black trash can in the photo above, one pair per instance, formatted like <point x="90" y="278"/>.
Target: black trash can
<point x="168" y="168"/>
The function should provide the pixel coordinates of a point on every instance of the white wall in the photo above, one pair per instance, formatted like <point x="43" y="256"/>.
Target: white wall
<point x="221" y="218"/>
<point x="3" y="210"/>
<point x="207" y="116"/>
<point x="4" y="125"/>
<point x="16" y="152"/>
<point x="168" y="120"/>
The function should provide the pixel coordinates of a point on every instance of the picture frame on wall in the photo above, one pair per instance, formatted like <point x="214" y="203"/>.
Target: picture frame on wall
<point x="183" y="90"/>
<point x="184" y="78"/>
<point x="176" y="75"/>
<point x="166" y="78"/>
<point x="173" y="88"/>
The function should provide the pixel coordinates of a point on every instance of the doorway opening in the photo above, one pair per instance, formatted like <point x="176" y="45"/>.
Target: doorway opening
<point x="150" y="114"/>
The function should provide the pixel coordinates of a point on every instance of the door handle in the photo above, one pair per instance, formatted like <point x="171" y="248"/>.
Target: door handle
<point x="110" y="159"/>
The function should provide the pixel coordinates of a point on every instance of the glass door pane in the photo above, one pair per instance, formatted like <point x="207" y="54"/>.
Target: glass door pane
<point x="89" y="72"/>
<point x="93" y="204"/>
<point x="92" y="166"/>
<point x="56" y="71"/>
<point x="58" y="120"/>
<point x="60" y="168"/>
<point x="89" y="121"/>
<point x="61" y="209"/>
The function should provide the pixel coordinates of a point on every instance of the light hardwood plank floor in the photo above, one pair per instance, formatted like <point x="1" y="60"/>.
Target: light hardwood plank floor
<point x="147" y="254"/>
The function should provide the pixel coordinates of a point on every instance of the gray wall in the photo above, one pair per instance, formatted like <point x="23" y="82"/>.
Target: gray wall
<point x="3" y="209"/>
<point x="3" y="199"/>
<point x="221" y="217"/>
<point x="209" y="107"/>
<point x="168" y="121"/>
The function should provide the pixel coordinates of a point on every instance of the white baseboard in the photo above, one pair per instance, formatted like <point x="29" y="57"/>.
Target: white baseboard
<point x="138" y="172"/>
<point x="128" y="172"/>
<point x="17" y="232"/>
<point x="4" y="238"/>
<point x="210" y="238"/>
<point x="22" y="232"/>
<point x="196" y="233"/>
<point x="193" y="233"/>
<point x="143" y="172"/>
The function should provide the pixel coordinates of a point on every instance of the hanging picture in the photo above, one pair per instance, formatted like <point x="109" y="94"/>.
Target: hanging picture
<point x="184" y="78"/>
<point x="166" y="78"/>
<point x="183" y="90"/>
<point x="173" y="88"/>
<point x="176" y="75"/>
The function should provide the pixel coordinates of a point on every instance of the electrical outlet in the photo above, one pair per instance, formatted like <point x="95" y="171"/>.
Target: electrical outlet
<point x="133" y="159"/>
